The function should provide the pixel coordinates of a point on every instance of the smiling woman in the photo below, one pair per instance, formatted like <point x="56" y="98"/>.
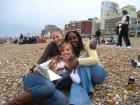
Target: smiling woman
<point x="52" y="48"/>
<point x="90" y="69"/>
<point x="67" y="52"/>
<point x="33" y="82"/>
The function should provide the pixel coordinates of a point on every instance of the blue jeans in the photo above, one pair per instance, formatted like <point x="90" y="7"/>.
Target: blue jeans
<point x="97" y="40"/>
<point x="41" y="88"/>
<point x="78" y="95"/>
<point x="91" y="76"/>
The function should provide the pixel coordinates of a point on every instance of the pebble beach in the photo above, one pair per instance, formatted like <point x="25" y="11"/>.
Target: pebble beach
<point x="15" y="61"/>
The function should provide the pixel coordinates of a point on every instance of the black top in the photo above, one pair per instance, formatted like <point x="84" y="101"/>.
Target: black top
<point x="98" y="33"/>
<point x="50" y="51"/>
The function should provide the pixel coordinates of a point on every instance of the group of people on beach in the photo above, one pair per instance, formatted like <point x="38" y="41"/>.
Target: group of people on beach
<point x="75" y="61"/>
<point x="28" y="40"/>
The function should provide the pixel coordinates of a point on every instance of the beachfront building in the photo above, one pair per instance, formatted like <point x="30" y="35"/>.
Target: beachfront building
<point x="95" y="25"/>
<point x="135" y="26"/>
<point x="107" y="8"/>
<point x="48" y="28"/>
<point x="84" y="27"/>
<point x="129" y="8"/>
<point x="110" y="23"/>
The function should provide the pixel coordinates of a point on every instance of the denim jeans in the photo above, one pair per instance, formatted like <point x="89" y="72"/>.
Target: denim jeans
<point x="97" y="40"/>
<point x="91" y="76"/>
<point x="43" y="89"/>
<point x="78" y="95"/>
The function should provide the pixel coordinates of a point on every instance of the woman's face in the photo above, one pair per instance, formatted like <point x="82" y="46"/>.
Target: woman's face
<point x="73" y="39"/>
<point x="57" y="37"/>
<point x="67" y="52"/>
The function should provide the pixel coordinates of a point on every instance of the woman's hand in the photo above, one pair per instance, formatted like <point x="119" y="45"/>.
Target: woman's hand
<point x="36" y="70"/>
<point x="92" y="46"/>
<point x="74" y="63"/>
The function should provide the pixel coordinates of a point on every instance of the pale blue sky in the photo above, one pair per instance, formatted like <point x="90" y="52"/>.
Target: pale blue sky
<point x="30" y="16"/>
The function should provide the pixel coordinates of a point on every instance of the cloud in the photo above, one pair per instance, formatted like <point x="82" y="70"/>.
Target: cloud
<point x="38" y="13"/>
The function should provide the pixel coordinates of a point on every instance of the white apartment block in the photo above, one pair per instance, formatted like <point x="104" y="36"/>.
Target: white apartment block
<point x="107" y="7"/>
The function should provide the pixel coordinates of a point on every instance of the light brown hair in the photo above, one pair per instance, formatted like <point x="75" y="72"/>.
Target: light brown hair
<point x="58" y="58"/>
<point x="59" y="31"/>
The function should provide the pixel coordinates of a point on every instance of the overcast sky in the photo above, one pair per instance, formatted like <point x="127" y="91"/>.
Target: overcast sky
<point x="30" y="16"/>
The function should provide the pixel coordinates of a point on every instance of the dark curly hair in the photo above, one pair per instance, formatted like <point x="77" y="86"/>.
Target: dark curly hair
<point x="80" y="42"/>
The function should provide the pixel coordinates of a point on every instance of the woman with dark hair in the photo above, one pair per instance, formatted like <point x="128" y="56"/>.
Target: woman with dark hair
<point x="123" y="30"/>
<point x="80" y="43"/>
<point x="90" y="70"/>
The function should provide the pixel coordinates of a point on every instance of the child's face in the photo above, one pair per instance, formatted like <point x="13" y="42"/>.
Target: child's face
<point x="66" y="53"/>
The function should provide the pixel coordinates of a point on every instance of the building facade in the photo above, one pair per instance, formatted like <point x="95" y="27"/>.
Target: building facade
<point x="129" y="8"/>
<point x="110" y="25"/>
<point x="83" y="27"/>
<point x="48" y="28"/>
<point x="107" y="7"/>
<point x="135" y="26"/>
<point x="95" y="25"/>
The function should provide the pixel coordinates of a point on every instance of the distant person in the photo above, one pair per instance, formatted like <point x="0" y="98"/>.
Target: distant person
<point x="123" y="30"/>
<point x="21" y="37"/>
<point x="103" y="40"/>
<point x="97" y="35"/>
<point x="112" y="40"/>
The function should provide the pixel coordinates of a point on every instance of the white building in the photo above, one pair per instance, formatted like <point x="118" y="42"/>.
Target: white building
<point x="107" y="7"/>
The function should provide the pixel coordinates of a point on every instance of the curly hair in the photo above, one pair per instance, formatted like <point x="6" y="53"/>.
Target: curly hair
<point x="80" y="42"/>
